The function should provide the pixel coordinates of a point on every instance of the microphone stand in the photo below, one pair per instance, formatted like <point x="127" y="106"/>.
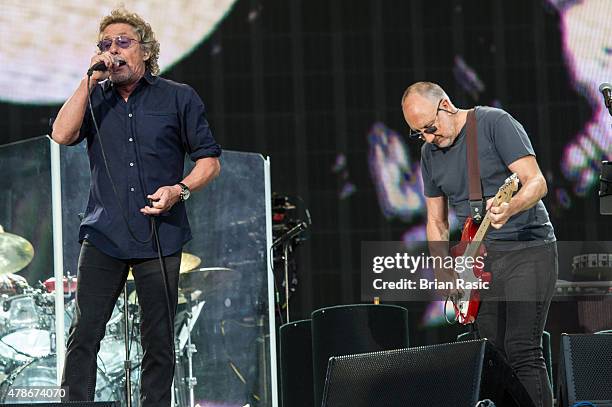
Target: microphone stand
<point x="286" y="242"/>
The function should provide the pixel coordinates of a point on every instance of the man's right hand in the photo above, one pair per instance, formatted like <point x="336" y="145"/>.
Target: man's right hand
<point x="99" y="76"/>
<point x="450" y="276"/>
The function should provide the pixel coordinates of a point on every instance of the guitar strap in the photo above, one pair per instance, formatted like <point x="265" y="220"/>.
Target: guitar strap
<point x="475" y="188"/>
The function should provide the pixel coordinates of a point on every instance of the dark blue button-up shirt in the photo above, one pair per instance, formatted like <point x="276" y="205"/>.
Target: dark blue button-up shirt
<point x="145" y="141"/>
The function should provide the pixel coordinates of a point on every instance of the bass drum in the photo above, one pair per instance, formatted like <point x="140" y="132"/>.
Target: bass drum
<point x="20" y="312"/>
<point x="22" y="345"/>
<point x="42" y="372"/>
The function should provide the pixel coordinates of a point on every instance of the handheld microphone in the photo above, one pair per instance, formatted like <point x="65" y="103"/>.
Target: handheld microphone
<point x="101" y="66"/>
<point x="606" y="91"/>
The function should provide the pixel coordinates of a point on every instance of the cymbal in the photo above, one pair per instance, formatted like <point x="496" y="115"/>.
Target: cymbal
<point x="193" y="284"/>
<point x="188" y="262"/>
<point x="133" y="298"/>
<point x="15" y="252"/>
<point x="201" y="278"/>
<point x="206" y="270"/>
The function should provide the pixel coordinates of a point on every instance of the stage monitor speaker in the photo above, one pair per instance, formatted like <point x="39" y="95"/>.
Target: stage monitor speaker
<point x="68" y="404"/>
<point x="296" y="364"/>
<point x="454" y="374"/>
<point x="546" y="351"/>
<point x="585" y="370"/>
<point x="350" y="329"/>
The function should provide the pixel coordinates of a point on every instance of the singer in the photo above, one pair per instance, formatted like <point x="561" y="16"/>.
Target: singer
<point x="135" y="217"/>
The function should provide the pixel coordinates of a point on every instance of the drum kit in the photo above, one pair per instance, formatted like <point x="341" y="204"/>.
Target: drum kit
<point x="27" y="329"/>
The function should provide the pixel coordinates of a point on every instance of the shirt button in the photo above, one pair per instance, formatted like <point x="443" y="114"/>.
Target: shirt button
<point x="132" y="189"/>
<point x="130" y="139"/>
<point x="131" y="164"/>
<point x="130" y="115"/>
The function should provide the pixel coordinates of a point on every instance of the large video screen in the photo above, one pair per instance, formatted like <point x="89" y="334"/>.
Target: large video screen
<point x="46" y="46"/>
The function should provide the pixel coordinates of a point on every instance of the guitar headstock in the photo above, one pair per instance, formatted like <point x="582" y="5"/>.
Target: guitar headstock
<point x="505" y="192"/>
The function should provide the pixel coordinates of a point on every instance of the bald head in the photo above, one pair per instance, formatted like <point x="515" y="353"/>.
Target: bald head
<point x="419" y="100"/>
<point x="427" y="90"/>
<point x="421" y="104"/>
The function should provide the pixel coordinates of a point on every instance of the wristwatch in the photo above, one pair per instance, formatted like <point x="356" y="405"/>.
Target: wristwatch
<point x="185" y="192"/>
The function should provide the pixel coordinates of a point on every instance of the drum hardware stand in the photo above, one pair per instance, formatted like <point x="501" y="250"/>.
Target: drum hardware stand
<point x="190" y="349"/>
<point x="183" y="341"/>
<point x="127" y="362"/>
<point x="179" y="377"/>
<point x="178" y="399"/>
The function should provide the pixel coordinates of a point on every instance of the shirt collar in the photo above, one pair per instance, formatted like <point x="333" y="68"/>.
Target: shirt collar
<point x="148" y="78"/>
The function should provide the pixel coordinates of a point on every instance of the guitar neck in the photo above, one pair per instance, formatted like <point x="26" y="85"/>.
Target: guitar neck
<point x="503" y="195"/>
<point x="474" y="245"/>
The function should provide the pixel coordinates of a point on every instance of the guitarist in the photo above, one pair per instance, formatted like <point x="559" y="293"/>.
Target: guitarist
<point x="521" y="248"/>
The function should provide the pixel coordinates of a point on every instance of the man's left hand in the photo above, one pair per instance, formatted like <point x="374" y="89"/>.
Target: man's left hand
<point x="163" y="199"/>
<point x="499" y="215"/>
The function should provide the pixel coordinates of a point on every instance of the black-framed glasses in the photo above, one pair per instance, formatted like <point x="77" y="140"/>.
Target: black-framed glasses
<point x="122" y="42"/>
<point x="431" y="129"/>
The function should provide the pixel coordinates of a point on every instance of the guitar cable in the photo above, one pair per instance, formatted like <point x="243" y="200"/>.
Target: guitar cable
<point x="448" y="297"/>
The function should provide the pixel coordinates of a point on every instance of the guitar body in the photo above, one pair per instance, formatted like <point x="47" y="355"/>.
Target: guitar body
<point x="467" y="300"/>
<point x="466" y="307"/>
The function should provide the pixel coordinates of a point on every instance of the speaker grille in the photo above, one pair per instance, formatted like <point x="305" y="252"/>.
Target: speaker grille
<point x="591" y="359"/>
<point x="407" y="377"/>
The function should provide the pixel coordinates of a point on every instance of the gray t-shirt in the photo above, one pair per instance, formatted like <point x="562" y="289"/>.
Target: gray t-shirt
<point x="501" y="141"/>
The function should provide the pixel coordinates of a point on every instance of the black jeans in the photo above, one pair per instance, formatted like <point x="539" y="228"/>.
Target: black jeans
<point x="100" y="281"/>
<point x="513" y="312"/>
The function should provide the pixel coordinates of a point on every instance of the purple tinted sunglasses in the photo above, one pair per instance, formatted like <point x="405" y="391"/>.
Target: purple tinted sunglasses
<point x="121" y="41"/>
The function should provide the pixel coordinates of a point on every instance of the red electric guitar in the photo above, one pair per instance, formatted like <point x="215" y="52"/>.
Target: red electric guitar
<point x="466" y="305"/>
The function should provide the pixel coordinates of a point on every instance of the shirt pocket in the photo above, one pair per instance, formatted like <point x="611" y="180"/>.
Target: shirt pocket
<point x="159" y="131"/>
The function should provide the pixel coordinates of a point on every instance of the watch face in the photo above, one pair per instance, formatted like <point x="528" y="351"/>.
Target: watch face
<point x="185" y="193"/>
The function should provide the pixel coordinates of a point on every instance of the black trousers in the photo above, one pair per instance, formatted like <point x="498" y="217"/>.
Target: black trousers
<point x="100" y="282"/>
<point x="513" y="312"/>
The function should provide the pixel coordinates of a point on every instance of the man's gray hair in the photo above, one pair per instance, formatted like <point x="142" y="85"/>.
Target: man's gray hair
<point x="147" y="39"/>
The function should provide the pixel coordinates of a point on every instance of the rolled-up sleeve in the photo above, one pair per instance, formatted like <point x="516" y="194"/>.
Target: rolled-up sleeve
<point x="196" y="134"/>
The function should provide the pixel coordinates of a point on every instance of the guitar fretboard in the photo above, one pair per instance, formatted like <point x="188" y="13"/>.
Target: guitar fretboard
<point x="503" y="196"/>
